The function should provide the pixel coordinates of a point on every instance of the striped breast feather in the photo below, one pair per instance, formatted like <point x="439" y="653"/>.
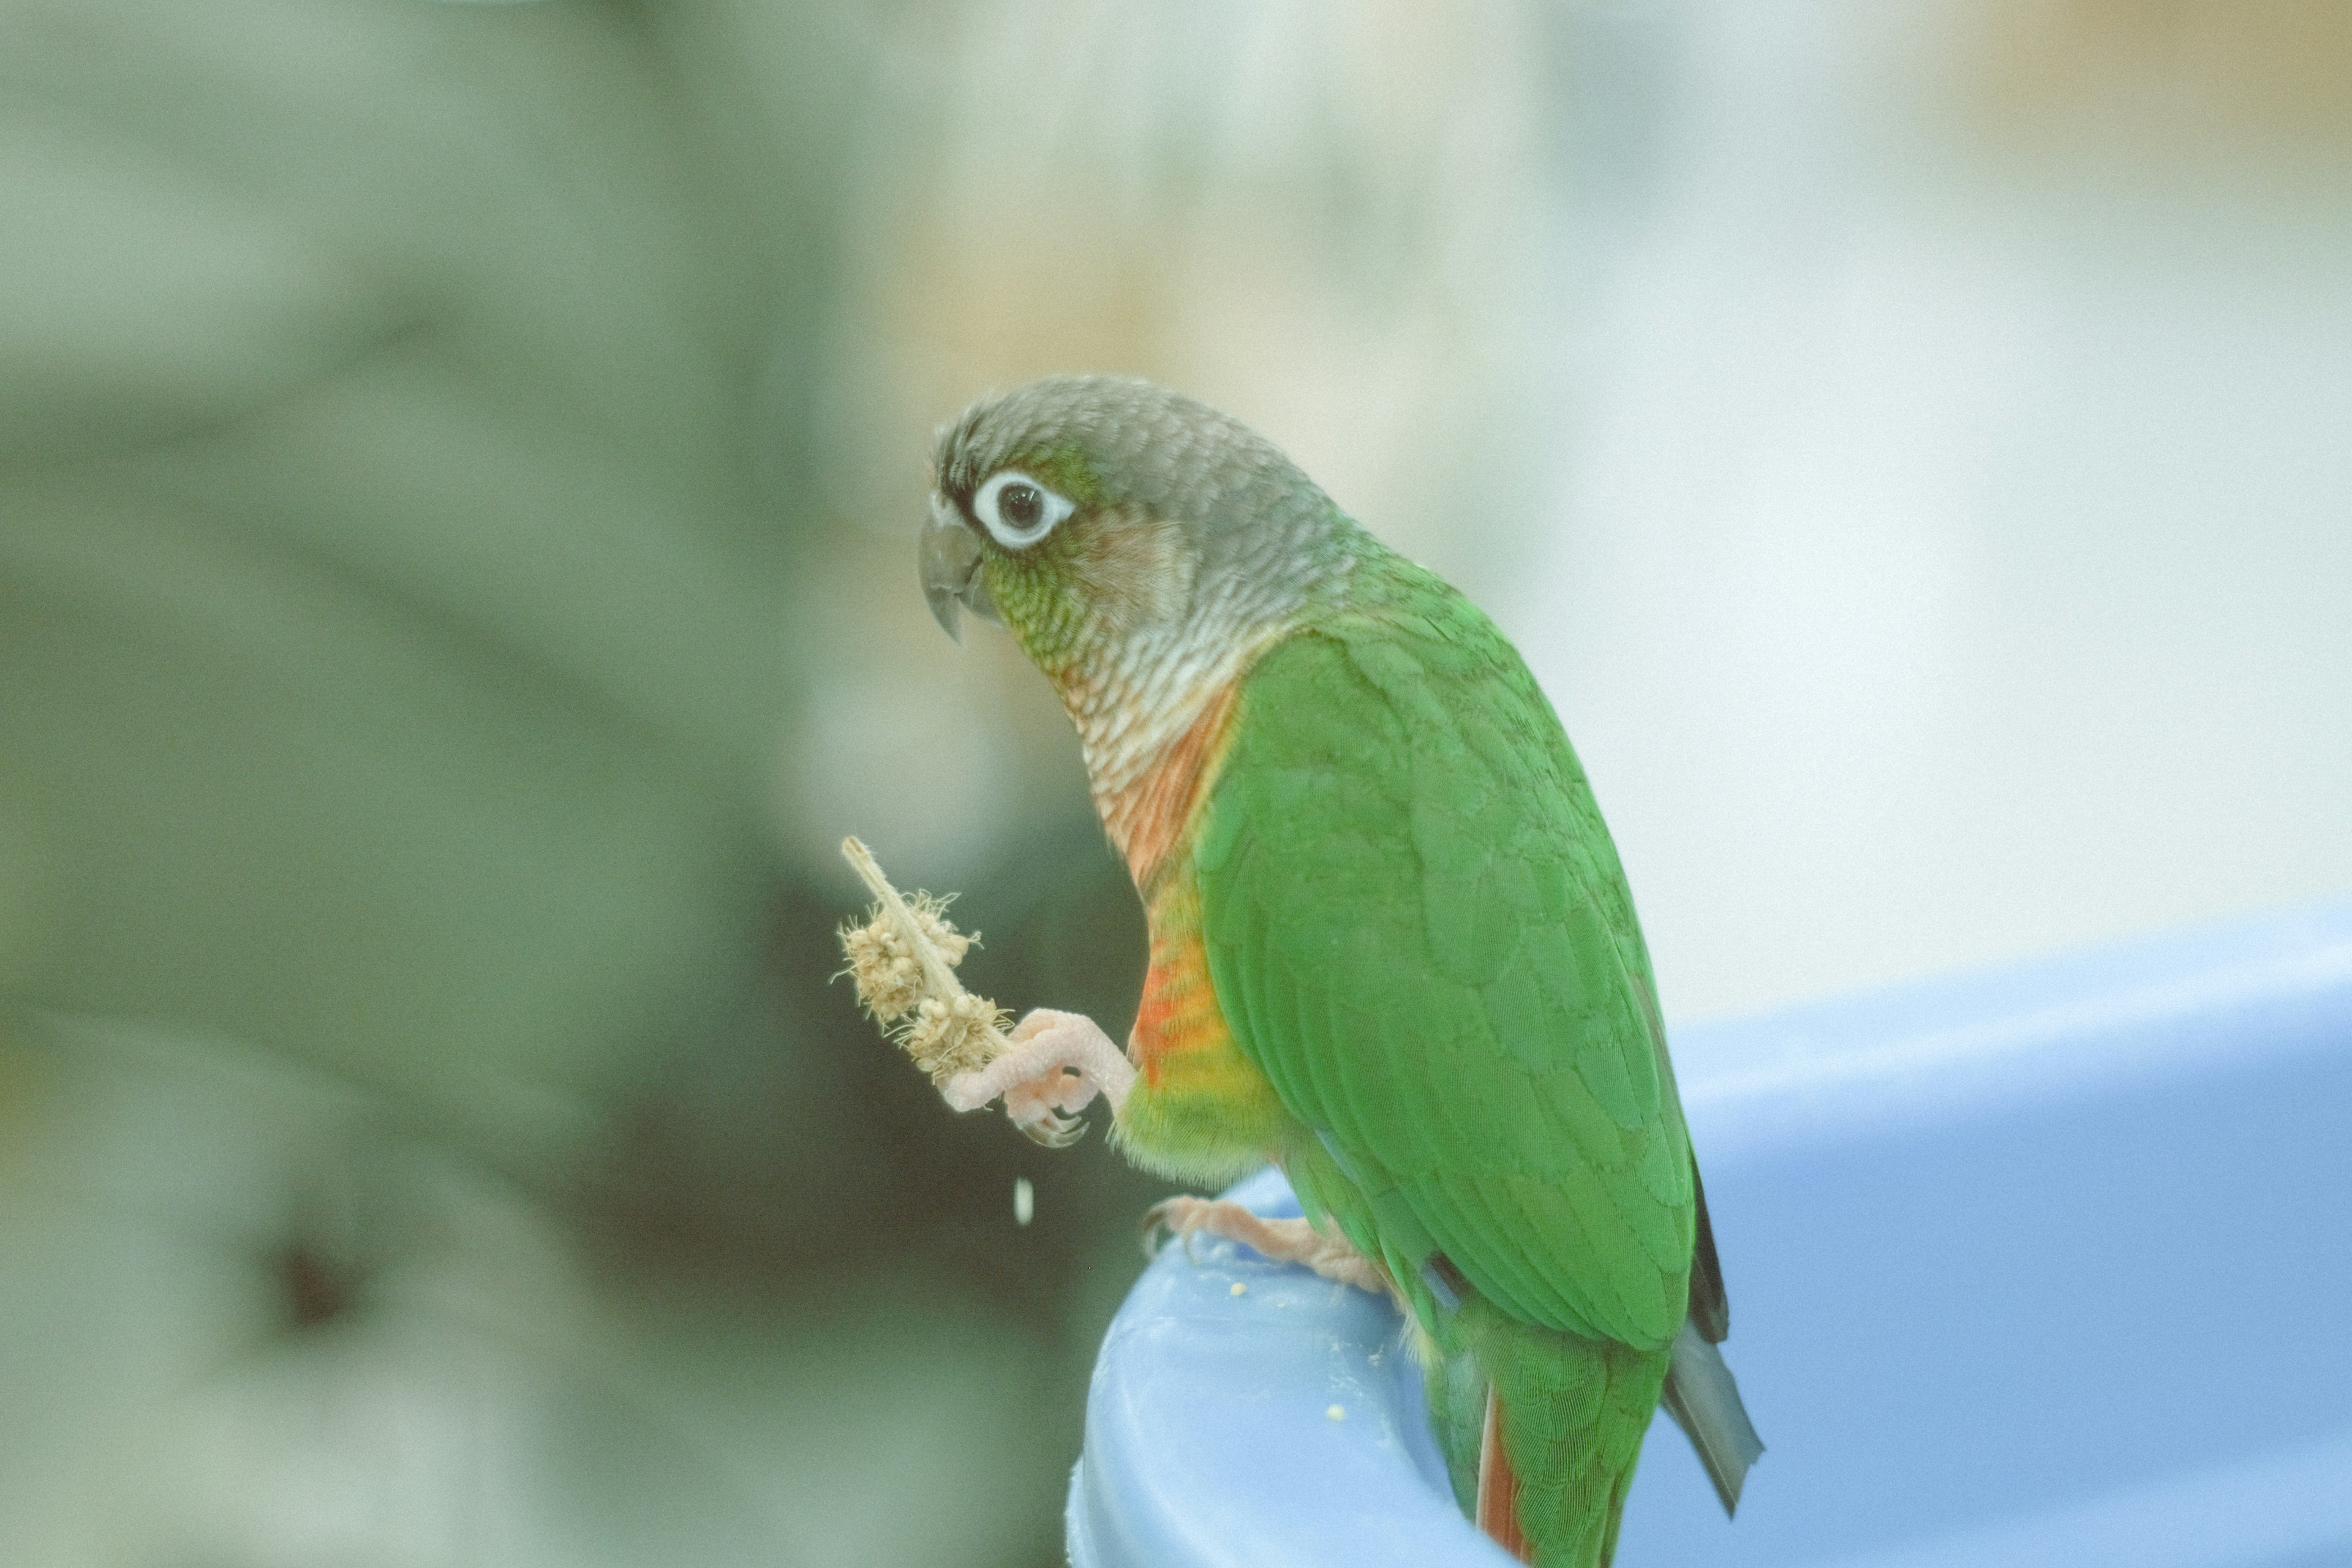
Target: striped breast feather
<point x="1418" y="930"/>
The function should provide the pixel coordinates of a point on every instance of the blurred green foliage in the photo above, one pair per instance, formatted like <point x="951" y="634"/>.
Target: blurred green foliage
<point x="418" y="1038"/>
<point x="394" y="640"/>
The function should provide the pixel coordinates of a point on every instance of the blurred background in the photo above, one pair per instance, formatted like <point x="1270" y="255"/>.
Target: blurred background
<point x="458" y="471"/>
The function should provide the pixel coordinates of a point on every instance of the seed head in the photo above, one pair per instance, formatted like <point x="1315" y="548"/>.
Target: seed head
<point x="903" y="961"/>
<point x="884" y="964"/>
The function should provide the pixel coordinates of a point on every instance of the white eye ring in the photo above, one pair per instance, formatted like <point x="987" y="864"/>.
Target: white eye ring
<point x="990" y="504"/>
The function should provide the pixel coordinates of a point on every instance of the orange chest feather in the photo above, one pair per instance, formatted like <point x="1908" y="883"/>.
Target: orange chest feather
<point x="1178" y="1019"/>
<point x="1148" y="818"/>
<point x="1178" y="1025"/>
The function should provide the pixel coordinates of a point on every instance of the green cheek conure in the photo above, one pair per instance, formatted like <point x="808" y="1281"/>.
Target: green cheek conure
<point x="1393" y="950"/>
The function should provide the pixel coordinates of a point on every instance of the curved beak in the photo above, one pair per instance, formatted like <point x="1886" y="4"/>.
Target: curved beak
<point x="949" y="557"/>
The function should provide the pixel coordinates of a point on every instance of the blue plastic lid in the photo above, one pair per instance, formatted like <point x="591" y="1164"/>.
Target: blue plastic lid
<point x="2046" y="1266"/>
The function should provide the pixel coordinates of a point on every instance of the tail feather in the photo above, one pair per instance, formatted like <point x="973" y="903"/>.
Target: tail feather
<point x="1498" y="1489"/>
<point x="1704" y="1400"/>
<point x="1556" y="1432"/>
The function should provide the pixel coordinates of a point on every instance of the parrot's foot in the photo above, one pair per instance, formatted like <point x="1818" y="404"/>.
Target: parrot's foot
<point x="1282" y="1240"/>
<point x="1056" y="1064"/>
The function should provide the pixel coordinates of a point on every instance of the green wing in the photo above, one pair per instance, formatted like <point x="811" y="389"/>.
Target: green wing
<point x="1418" y="930"/>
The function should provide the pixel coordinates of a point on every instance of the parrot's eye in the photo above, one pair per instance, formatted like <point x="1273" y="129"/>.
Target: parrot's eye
<point x="1017" y="510"/>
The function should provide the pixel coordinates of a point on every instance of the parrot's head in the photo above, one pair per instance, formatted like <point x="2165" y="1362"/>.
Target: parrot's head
<point x="1095" y="516"/>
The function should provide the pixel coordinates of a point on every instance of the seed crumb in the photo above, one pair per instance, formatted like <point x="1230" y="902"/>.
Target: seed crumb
<point x="1025" y="1201"/>
<point x="1240" y="1289"/>
<point x="1337" y="1413"/>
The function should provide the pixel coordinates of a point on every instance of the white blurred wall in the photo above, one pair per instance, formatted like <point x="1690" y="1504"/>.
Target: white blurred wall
<point x="1949" y="543"/>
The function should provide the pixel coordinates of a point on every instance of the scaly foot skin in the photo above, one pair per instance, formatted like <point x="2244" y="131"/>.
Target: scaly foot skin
<point x="1282" y="1240"/>
<point x="1057" y="1064"/>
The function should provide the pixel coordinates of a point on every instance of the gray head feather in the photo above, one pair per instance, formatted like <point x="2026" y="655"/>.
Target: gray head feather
<point x="1248" y="509"/>
<point x="1209" y="541"/>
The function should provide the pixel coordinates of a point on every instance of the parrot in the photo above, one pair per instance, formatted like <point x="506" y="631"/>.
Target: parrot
<point x="1391" y="946"/>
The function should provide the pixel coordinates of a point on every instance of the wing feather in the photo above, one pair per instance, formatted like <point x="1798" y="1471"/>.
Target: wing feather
<point x="1419" y="930"/>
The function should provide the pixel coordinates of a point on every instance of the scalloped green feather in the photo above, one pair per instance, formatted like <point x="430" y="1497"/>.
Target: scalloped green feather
<point x="1419" y="930"/>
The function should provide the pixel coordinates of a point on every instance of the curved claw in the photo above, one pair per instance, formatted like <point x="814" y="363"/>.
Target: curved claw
<point x="1156" y="1220"/>
<point x="1053" y="1131"/>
